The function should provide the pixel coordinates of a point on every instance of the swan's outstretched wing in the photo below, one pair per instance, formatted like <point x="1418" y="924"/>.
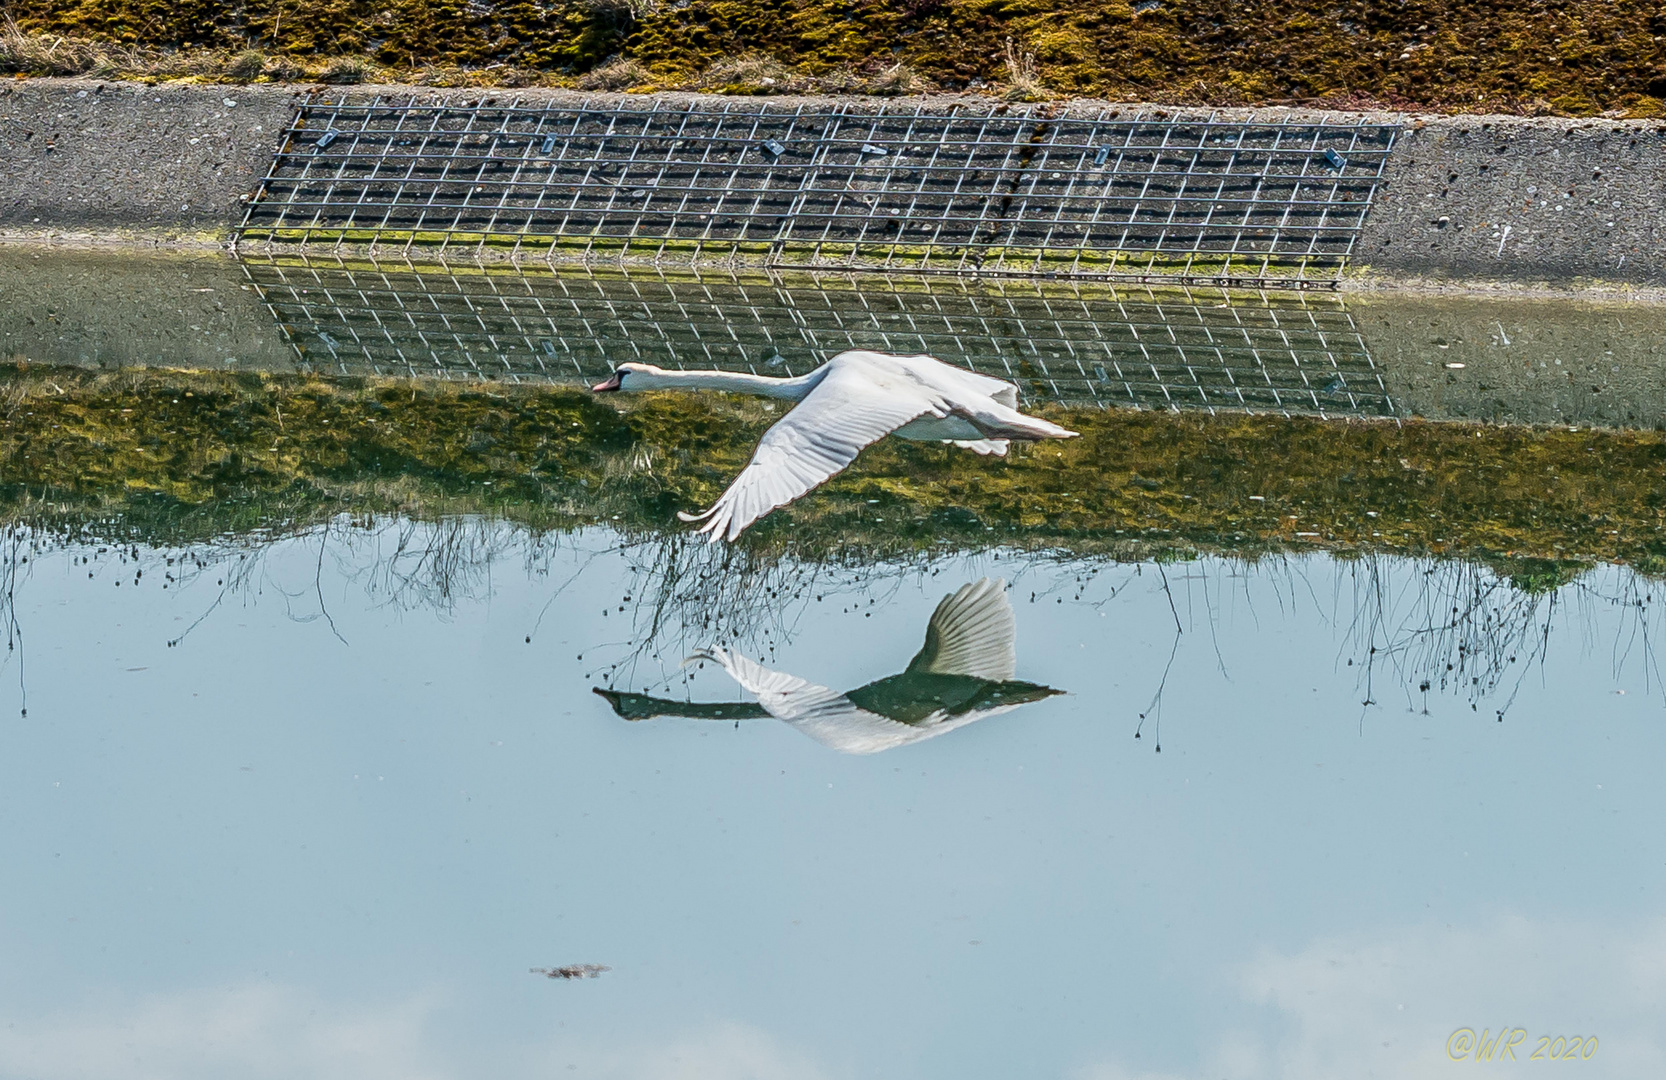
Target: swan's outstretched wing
<point x="972" y="632"/>
<point x="856" y="404"/>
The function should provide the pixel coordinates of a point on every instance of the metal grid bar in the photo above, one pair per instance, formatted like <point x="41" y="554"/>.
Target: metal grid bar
<point x="977" y="187"/>
<point x="1075" y="342"/>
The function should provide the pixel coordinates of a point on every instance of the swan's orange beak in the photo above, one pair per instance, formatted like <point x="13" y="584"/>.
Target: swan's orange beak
<point x="612" y="383"/>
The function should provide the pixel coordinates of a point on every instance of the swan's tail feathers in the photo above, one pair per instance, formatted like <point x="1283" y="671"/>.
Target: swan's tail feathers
<point x="998" y="447"/>
<point x="999" y="422"/>
<point x="1034" y="427"/>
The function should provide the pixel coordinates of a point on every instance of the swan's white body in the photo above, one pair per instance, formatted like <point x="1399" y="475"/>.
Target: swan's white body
<point x="850" y="402"/>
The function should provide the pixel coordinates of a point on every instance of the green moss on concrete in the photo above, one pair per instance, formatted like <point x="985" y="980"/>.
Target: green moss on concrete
<point x="181" y="456"/>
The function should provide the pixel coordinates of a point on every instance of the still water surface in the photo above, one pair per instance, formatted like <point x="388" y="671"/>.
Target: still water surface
<point x="1538" y="361"/>
<point x="314" y="805"/>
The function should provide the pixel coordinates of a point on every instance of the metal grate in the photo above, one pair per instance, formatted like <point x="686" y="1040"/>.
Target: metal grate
<point x="981" y="188"/>
<point x="1081" y="343"/>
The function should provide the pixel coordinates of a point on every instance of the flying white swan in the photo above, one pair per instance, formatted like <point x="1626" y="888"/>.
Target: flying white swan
<point x="854" y="399"/>
<point x="963" y="673"/>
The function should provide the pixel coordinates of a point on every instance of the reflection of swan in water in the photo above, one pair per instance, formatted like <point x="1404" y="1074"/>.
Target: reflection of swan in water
<point x="962" y="673"/>
<point x="850" y="402"/>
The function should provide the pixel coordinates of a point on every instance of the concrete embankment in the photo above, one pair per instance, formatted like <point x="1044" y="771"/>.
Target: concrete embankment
<point x="1464" y="199"/>
<point x="1490" y="198"/>
<point x="86" y="160"/>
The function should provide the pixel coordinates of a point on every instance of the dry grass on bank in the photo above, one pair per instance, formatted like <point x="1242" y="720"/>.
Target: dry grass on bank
<point x="1569" y="57"/>
<point x="45" y="55"/>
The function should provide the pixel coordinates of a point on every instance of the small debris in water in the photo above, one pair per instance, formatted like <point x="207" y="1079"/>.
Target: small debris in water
<point x="1454" y="365"/>
<point x="572" y="971"/>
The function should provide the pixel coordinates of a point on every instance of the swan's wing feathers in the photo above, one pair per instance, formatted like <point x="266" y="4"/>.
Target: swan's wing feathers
<point x="786" y="697"/>
<point x="826" y="716"/>
<point x="972" y="632"/>
<point x="754" y="678"/>
<point x="853" y="406"/>
<point x="957" y="380"/>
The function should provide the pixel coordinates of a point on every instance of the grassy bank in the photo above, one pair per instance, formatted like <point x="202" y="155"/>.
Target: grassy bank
<point x="176" y="457"/>
<point x="1460" y="55"/>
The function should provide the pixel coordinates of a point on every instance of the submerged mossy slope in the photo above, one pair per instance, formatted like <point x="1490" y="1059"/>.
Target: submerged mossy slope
<point x="180" y="456"/>
<point x="1473" y="55"/>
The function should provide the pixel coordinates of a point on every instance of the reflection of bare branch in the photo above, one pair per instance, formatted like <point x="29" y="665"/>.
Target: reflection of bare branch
<point x="1433" y="626"/>
<point x="685" y="594"/>
<point x="1446" y="626"/>
<point x="411" y="564"/>
<point x="1155" y="708"/>
<point x="192" y="564"/>
<point x="1168" y="592"/>
<point x="318" y="583"/>
<point x="11" y="561"/>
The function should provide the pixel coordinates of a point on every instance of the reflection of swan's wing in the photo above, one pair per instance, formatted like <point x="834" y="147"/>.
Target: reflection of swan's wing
<point x="855" y="404"/>
<point x="983" y="447"/>
<point x="785" y="696"/>
<point x="827" y="716"/>
<point x="972" y="632"/>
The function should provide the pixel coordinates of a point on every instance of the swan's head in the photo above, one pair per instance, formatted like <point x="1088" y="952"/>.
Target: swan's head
<point x="629" y="377"/>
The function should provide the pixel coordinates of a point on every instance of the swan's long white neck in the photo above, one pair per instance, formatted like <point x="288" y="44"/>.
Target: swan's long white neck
<point x="738" y="382"/>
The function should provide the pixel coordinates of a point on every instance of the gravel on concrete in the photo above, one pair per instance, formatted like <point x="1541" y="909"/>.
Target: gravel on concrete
<point x="1512" y="199"/>
<point x="94" y="159"/>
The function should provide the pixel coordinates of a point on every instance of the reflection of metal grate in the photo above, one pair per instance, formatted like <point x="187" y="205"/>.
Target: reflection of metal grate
<point x="979" y="188"/>
<point x="1079" y="343"/>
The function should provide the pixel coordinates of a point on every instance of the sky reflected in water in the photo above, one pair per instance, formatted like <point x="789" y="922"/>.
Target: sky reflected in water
<point x="331" y="830"/>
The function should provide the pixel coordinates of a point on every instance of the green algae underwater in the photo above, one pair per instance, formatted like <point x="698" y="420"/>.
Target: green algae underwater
<point x="173" y="457"/>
